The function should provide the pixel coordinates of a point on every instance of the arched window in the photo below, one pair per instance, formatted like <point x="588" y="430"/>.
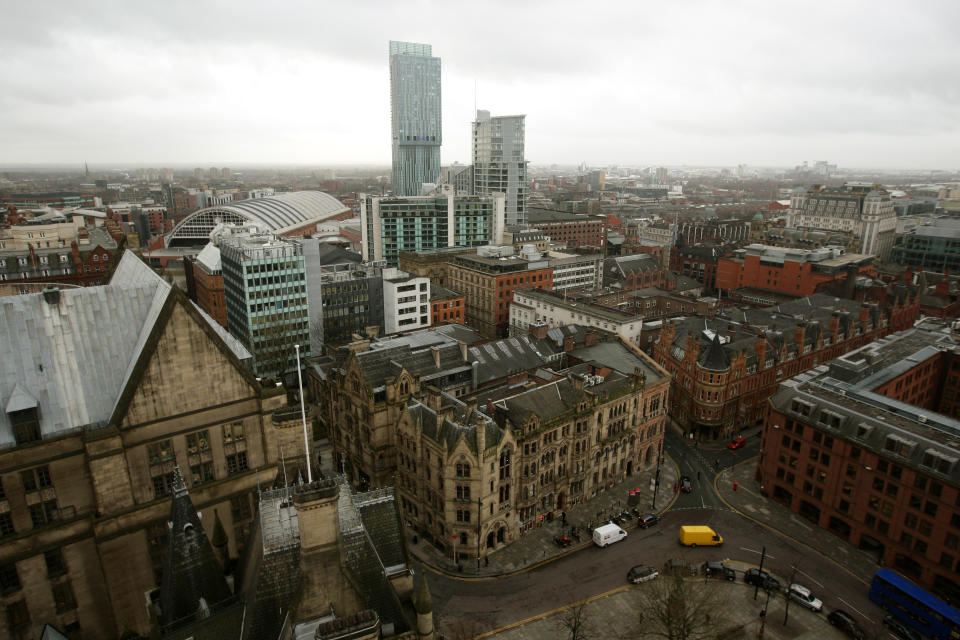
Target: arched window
<point x="505" y="464"/>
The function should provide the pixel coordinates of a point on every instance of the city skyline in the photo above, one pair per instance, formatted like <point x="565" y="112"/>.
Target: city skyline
<point x="695" y="85"/>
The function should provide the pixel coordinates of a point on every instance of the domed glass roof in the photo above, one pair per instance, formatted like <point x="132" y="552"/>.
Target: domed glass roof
<point x="277" y="214"/>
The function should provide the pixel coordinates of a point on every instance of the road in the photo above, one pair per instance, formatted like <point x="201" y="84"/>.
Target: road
<point x="495" y="603"/>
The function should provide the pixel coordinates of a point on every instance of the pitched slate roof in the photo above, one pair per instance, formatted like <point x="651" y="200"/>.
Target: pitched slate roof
<point x="502" y="357"/>
<point x="547" y="402"/>
<point x="75" y="353"/>
<point x="462" y="426"/>
<point x="715" y="357"/>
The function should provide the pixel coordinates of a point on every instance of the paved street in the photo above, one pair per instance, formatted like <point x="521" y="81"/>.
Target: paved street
<point x="520" y="591"/>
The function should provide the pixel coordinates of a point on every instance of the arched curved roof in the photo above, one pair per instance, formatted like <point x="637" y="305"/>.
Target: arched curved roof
<point x="277" y="214"/>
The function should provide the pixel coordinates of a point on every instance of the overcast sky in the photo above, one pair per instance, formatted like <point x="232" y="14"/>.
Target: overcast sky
<point x="865" y="84"/>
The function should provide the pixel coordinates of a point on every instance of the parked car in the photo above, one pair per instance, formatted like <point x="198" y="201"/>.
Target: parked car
<point x="899" y="629"/>
<point x="843" y="621"/>
<point x="801" y="595"/>
<point x="642" y="573"/>
<point x="686" y="485"/>
<point x="679" y="567"/>
<point x="647" y="520"/>
<point x="736" y="443"/>
<point x="718" y="570"/>
<point x="762" y="579"/>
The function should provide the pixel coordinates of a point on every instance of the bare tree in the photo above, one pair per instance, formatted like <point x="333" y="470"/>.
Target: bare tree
<point x="676" y="609"/>
<point x="575" y="622"/>
<point x="465" y="628"/>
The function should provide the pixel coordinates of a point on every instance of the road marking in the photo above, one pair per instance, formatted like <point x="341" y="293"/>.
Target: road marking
<point x="812" y="579"/>
<point x="797" y="521"/>
<point x="855" y="609"/>
<point x="755" y="551"/>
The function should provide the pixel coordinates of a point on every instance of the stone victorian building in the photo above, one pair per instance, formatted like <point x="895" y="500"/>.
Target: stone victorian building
<point x="104" y="391"/>
<point x="725" y="369"/>
<point x="480" y="444"/>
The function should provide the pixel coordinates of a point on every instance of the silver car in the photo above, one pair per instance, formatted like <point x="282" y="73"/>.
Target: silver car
<point x="800" y="594"/>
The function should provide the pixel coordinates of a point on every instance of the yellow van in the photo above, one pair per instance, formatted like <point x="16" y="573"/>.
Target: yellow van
<point x="692" y="536"/>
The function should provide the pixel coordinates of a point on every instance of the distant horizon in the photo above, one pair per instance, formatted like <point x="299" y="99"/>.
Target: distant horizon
<point x="190" y="166"/>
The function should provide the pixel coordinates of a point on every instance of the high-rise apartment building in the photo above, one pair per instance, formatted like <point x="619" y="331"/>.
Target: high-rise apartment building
<point x="265" y="290"/>
<point x="498" y="161"/>
<point x="414" y="116"/>
<point x="391" y="225"/>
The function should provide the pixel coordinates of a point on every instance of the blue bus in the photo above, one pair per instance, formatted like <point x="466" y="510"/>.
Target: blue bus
<point x="915" y="607"/>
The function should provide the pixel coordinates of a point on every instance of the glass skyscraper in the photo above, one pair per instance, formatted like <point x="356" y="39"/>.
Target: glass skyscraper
<point x="499" y="165"/>
<point x="414" y="116"/>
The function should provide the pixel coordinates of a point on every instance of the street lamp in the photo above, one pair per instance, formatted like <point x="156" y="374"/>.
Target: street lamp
<point x="656" y="482"/>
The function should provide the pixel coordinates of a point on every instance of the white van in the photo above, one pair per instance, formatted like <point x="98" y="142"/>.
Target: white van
<point x="608" y="534"/>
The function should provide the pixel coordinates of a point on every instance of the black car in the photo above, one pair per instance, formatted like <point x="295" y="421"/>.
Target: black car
<point x="647" y="520"/>
<point x="842" y="620"/>
<point x="718" y="570"/>
<point x="762" y="579"/>
<point x="686" y="485"/>
<point x="899" y="629"/>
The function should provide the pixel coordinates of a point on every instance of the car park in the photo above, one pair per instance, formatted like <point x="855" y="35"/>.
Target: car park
<point x="761" y="578"/>
<point x="845" y="622"/>
<point x="899" y="629"/>
<point x="642" y="573"/>
<point x="647" y="520"/>
<point x="718" y="570"/>
<point x="802" y="596"/>
<point x="686" y="485"/>
<point x="736" y="443"/>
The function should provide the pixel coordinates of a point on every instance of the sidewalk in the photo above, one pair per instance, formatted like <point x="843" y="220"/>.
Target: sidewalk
<point x="537" y="545"/>
<point x="749" y="501"/>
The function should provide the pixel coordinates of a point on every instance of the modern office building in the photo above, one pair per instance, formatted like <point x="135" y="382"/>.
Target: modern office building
<point x="865" y="210"/>
<point x="572" y="271"/>
<point x="265" y="291"/>
<point x="406" y="301"/>
<point x="422" y="223"/>
<point x="935" y="246"/>
<point x="865" y="446"/>
<point x="498" y="161"/>
<point x="414" y="116"/>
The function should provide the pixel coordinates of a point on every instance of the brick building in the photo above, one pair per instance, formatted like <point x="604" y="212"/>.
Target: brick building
<point x="699" y="262"/>
<point x="635" y="271"/>
<point x="446" y="306"/>
<point x="487" y="283"/>
<point x="793" y="272"/>
<point x="433" y="264"/>
<point x="867" y="448"/>
<point x="86" y="260"/>
<point x="574" y="230"/>
<point x="204" y="278"/>
<point x="725" y="369"/>
<point x="119" y="384"/>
